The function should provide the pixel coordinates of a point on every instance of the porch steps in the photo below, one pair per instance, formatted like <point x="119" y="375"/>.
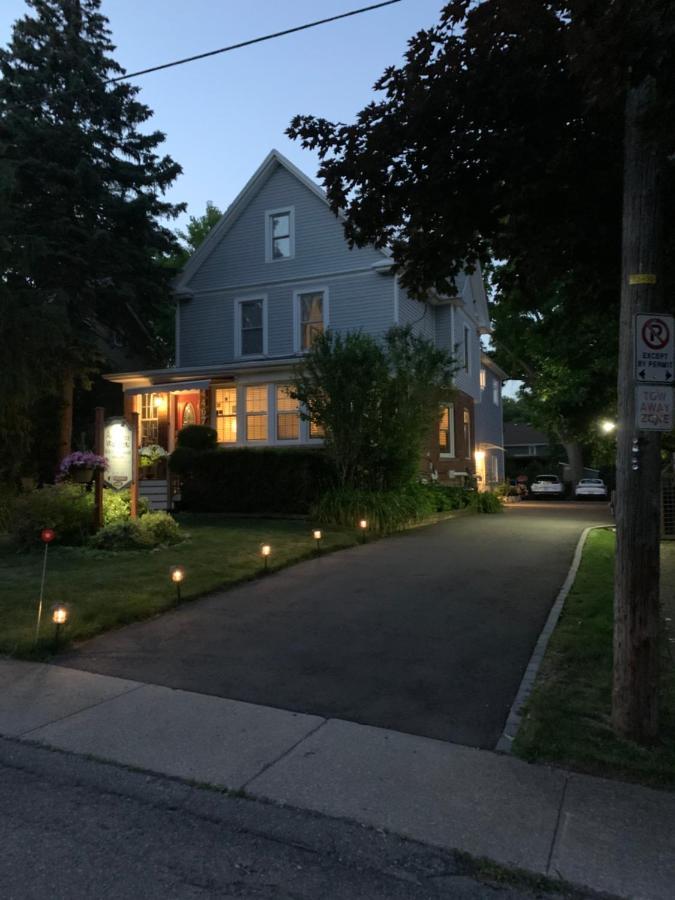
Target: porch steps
<point x="156" y="492"/>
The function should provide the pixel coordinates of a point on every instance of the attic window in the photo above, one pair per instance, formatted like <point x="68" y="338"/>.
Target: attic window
<point x="279" y="234"/>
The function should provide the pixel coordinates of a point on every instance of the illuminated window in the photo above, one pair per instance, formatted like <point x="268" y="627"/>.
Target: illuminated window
<point x="483" y="379"/>
<point x="311" y="311"/>
<point x="288" y="415"/>
<point x="189" y="416"/>
<point x="150" y="404"/>
<point x="256" y="413"/>
<point x="316" y="430"/>
<point x="467" y="433"/>
<point x="446" y="430"/>
<point x="226" y="415"/>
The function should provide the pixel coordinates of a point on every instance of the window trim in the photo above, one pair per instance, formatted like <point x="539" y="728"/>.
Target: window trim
<point x="467" y="349"/>
<point x="450" y="406"/>
<point x="237" y="326"/>
<point x="297" y="324"/>
<point x="246" y="439"/>
<point x="269" y="213"/>
<point x="226" y="385"/>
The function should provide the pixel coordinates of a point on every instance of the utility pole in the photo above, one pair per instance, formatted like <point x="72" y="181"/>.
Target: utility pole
<point x="636" y="578"/>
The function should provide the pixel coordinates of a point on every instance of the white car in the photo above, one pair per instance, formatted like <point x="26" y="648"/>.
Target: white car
<point x="591" y="487"/>
<point x="547" y="486"/>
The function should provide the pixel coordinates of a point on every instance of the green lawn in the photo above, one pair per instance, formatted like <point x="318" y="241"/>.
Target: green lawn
<point x="568" y="715"/>
<point x="106" y="589"/>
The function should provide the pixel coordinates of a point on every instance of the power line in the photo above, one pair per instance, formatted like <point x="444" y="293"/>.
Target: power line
<point x="258" y="40"/>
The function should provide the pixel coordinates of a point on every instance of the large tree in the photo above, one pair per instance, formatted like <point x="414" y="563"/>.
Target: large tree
<point x="519" y="131"/>
<point x="83" y="187"/>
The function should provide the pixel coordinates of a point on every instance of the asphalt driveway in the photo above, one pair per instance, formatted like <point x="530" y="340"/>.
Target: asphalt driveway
<point x="427" y="632"/>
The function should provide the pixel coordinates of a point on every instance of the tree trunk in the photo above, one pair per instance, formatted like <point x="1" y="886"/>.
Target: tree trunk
<point x="575" y="459"/>
<point x="636" y="578"/>
<point x="66" y="418"/>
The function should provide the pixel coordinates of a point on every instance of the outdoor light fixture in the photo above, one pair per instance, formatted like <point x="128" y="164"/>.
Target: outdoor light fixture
<point x="159" y="402"/>
<point x="265" y="551"/>
<point x="177" y="576"/>
<point x="607" y="426"/>
<point x="363" y="525"/>
<point x="317" y="537"/>
<point x="480" y="456"/>
<point x="59" y="618"/>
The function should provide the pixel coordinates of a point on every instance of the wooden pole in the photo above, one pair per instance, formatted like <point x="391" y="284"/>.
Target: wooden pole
<point x="134" y="465"/>
<point x="636" y="577"/>
<point x="99" y="424"/>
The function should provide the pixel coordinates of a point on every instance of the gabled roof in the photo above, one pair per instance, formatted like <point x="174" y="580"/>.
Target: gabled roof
<point x="241" y="201"/>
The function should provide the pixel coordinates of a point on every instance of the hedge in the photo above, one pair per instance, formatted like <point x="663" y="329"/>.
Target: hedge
<point x="245" y="480"/>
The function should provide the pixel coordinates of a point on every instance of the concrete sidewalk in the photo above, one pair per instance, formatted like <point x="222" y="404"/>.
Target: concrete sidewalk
<point x="598" y="834"/>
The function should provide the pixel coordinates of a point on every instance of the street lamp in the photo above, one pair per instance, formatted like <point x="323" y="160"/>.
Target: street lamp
<point x="607" y="426"/>
<point x="317" y="537"/>
<point x="265" y="551"/>
<point x="177" y="576"/>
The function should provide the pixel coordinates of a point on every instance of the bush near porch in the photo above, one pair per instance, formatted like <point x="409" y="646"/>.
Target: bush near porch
<point x="255" y="481"/>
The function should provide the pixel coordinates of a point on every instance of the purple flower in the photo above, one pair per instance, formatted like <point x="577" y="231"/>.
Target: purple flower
<point x="81" y="460"/>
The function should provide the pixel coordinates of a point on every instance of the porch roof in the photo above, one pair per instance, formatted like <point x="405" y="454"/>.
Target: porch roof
<point x="193" y="377"/>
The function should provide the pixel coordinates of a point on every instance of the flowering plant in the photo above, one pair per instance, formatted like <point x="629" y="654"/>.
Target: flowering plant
<point x="148" y="456"/>
<point x="80" y="460"/>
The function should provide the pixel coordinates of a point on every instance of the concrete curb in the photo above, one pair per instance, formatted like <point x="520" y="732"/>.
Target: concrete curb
<point x="514" y="719"/>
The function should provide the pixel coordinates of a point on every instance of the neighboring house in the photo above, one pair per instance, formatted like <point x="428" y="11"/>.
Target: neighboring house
<point x="273" y="273"/>
<point x="523" y="442"/>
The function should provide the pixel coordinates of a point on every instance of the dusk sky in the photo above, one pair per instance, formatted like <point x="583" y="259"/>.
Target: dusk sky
<point x="221" y="116"/>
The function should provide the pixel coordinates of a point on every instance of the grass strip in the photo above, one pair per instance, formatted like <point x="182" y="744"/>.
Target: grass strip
<point x="567" y="718"/>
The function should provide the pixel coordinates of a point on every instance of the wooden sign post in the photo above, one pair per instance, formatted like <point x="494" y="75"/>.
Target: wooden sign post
<point x="98" y="477"/>
<point x="134" y="484"/>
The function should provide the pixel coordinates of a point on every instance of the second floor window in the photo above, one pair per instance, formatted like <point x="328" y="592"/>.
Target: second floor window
<point x="251" y="327"/>
<point x="311" y="315"/>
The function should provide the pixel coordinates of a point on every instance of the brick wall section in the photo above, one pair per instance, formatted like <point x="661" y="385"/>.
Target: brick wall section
<point x="463" y="458"/>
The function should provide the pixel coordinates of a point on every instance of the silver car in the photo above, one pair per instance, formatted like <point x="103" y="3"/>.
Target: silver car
<point x="590" y="487"/>
<point x="547" y="486"/>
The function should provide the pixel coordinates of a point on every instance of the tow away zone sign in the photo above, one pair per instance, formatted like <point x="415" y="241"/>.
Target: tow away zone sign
<point x="653" y="407"/>
<point x="654" y="346"/>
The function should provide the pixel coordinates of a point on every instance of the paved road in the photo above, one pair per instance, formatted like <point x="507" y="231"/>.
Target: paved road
<point x="427" y="633"/>
<point x="74" y="829"/>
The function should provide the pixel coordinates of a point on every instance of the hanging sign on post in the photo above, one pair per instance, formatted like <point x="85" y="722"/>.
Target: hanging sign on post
<point x="118" y="451"/>
<point x="654" y="348"/>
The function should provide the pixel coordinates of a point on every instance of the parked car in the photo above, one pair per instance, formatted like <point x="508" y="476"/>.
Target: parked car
<point x="547" y="486"/>
<point x="591" y="487"/>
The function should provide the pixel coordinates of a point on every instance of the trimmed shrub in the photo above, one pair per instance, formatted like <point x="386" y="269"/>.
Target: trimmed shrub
<point x="385" y="511"/>
<point x="445" y="497"/>
<point x="244" y="480"/>
<point x="486" y="502"/>
<point x="66" y="508"/>
<point x="117" y="506"/>
<point x="197" y="437"/>
<point x="153" y="530"/>
<point x="69" y="510"/>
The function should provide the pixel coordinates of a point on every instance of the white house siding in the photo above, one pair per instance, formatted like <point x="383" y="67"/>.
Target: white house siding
<point x="489" y="427"/>
<point x="320" y="247"/>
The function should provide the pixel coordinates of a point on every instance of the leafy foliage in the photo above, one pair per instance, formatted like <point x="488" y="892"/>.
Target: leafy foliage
<point x="485" y="502"/>
<point x="197" y="437"/>
<point x="155" y="529"/>
<point x="376" y="401"/>
<point x="501" y="138"/>
<point x="81" y="208"/>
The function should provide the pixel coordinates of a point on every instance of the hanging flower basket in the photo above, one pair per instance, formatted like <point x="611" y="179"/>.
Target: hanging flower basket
<point x="81" y="467"/>
<point x="151" y="460"/>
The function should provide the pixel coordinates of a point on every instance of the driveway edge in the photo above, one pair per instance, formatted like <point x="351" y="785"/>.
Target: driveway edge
<point x="514" y="718"/>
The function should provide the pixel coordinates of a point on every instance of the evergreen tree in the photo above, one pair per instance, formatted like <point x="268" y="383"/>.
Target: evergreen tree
<point x="83" y="190"/>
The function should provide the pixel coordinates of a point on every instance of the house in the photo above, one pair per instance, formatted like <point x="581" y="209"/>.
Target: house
<point x="525" y="442"/>
<point x="273" y="273"/>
